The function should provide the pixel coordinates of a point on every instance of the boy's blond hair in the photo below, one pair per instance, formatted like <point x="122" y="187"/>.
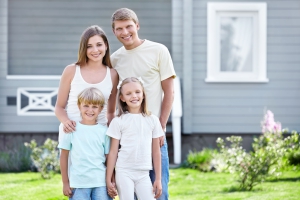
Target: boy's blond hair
<point x="91" y="96"/>
<point x="124" y="14"/>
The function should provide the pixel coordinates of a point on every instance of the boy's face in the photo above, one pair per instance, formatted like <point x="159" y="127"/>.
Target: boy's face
<point x="127" y="33"/>
<point x="89" y="113"/>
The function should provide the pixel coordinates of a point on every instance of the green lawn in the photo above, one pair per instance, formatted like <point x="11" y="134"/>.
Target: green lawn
<point x="184" y="184"/>
<point x="193" y="185"/>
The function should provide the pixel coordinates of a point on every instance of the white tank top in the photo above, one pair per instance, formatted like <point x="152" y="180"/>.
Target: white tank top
<point x="77" y="85"/>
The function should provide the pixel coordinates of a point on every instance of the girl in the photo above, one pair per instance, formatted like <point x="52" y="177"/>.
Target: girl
<point x="138" y="132"/>
<point x="88" y="147"/>
<point x="92" y="69"/>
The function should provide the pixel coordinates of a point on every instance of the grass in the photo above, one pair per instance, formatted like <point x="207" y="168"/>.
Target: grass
<point x="193" y="185"/>
<point x="184" y="184"/>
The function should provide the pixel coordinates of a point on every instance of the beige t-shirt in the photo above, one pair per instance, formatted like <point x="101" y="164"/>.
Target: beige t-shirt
<point x="135" y="133"/>
<point x="152" y="62"/>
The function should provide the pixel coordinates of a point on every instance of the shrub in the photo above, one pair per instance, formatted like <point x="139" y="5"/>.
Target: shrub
<point x="16" y="160"/>
<point x="292" y="144"/>
<point x="265" y="160"/>
<point x="45" y="157"/>
<point x="200" y="160"/>
<point x="254" y="167"/>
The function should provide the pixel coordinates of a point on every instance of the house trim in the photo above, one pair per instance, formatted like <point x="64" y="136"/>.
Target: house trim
<point x="187" y="66"/>
<point x="32" y="77"/>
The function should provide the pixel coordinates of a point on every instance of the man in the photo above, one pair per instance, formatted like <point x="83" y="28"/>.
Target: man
<point x="152" y="62"/>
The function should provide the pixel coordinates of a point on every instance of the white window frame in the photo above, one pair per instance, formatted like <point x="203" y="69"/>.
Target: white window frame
<point x="259" y="13"/>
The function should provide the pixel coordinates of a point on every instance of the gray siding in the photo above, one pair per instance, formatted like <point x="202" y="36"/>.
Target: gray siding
<point x="177" y="36"/>
<point x="3" y="38"/>
<point x="3" y="51"/>
<point x="239" y="107"/>
<point x="44" y="37"/>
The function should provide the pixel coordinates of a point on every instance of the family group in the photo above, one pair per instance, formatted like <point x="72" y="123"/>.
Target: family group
<point x="113" y="111"/>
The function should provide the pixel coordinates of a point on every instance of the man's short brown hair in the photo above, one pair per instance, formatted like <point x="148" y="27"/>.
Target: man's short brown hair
<point x="124" y="14"/>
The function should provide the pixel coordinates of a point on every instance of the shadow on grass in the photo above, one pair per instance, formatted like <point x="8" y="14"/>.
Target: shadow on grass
<point x="25" y="181"/>
<point x="238" y="189"/>
<point x="294" y="179"/>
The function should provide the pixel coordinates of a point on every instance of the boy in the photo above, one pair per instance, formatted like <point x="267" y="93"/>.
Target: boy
<point x="152" y="62"/>
<point x="88" y="147"/>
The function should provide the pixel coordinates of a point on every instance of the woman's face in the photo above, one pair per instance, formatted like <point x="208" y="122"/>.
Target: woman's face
<point x="96" y="49"/>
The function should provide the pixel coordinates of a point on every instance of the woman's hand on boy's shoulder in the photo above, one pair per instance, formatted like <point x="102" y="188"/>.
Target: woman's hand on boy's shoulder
<point x="69" y="126"/>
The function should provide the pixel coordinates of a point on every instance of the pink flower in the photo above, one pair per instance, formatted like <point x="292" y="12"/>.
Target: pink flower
<point x="277" y="127"/>
<point x="269" y="124"/>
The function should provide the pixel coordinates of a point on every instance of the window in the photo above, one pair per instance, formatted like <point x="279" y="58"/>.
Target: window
<point x="236" y="47"/>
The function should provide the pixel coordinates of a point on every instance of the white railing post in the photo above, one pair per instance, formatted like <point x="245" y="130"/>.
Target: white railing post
<point x="176" y="121"/>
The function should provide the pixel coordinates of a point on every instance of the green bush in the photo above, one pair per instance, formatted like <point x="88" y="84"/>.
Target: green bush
<point x="45" y="157"/>
<point x="270" y="150"/>
<point x="254" y="167"/>
<point x="292" y="145"/>
<point x="294" y="157"/>
<point x="16" y="160"/>
<point x="200" y="160"/>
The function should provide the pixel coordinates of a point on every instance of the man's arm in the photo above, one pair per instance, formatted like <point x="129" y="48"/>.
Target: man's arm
<point x="166" y="106"/>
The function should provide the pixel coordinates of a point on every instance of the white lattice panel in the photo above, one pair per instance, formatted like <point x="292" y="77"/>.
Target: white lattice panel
<point x="36" y="101"/>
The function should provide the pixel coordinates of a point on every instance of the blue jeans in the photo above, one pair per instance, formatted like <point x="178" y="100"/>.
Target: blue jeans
<point x="164" y="172"/>
<point x="98" y="193"/>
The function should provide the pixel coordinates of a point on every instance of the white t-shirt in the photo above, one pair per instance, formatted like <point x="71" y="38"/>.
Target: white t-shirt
<point x="135" y="133"/>
<point x="152" y="62"/>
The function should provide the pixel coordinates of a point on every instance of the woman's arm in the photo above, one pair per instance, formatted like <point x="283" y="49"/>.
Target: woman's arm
<point x="156" y="157"/>
<point x="62" y="98"/>
<point x="111" y="163"/>
<point x="64" y="172"/>
<point x="111" y="107"/>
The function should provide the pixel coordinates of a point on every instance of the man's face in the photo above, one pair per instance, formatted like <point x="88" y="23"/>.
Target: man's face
<point x="127" y="33"/>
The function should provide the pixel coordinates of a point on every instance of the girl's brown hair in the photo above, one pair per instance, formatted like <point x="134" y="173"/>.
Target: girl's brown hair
<point x="122" y="106"/>
<point x="86" y="35"/>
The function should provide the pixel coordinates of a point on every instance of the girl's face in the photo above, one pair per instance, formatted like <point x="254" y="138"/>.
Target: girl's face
<point x="132" y="93"/>
<point x="96" y="48"/>
<point x="89" y="113"/>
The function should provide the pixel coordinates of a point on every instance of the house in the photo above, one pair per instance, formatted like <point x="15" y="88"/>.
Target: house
<point x="39" y="38"/>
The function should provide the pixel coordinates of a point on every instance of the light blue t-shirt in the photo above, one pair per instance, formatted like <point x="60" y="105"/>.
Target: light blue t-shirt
<point x="88" y="146"/>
